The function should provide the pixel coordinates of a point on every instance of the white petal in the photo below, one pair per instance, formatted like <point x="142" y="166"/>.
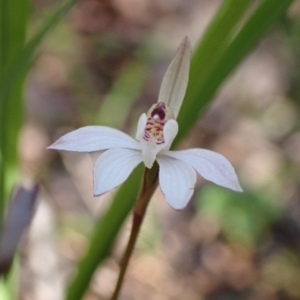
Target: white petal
<point x="113" y="167"/>
<point x="210" y="165"/>
<point x="177" y="180"/>
<point x="141" y="127"/>
<point x="175" y="81"/>
<point x="170" y="132"/>
<point x="149" y="153"/>
<point x="94" y="138"/>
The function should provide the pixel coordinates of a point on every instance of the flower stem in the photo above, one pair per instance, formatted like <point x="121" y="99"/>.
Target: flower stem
<point x="149" y="183"/>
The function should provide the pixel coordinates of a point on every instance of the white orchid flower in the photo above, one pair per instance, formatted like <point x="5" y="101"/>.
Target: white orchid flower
<point x="156" y="131"/>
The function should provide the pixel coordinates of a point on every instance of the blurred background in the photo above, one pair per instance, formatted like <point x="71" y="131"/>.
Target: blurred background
<point x="103" y="66"/>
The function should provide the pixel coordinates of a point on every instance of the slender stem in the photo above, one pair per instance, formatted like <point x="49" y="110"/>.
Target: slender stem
<point x="137" y="221"/>
<point x="148" y="186"/>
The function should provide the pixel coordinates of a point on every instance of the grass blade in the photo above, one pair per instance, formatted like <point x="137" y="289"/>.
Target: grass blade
<point x="13" y="24"/>
<point x="216" y="38"/>
<point x="10" y="96"/>
<point x="199" y="95"/>
<point x="104" y="235"/>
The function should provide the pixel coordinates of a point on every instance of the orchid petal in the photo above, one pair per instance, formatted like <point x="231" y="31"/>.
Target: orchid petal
<point x="170" y="132"/>
<point x="177" y="180"/>
<point x="94" y="138"/>
<point x="175" y="81"/>
<point x="149" y="148"/>
<point x="113" y="167"/>
<point x="141" y="126"/>
<point x="210" y="165"/>
<point x="149" y="151"/>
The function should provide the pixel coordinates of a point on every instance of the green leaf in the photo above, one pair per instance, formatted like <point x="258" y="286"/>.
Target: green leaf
<point x="13" y="24"/>
<point x="105" y="233"/>
<point x="216" y="38"/>
<point x="22" y="63"/>
<point x="11" y="85"/>
<point x="200" y="94"/>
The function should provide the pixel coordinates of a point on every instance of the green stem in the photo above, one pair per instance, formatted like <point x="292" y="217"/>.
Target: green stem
<point x="148" y="186"/>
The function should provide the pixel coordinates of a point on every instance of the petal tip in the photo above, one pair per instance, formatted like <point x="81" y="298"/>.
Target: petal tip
<point x="51" y="147"/>
<point x="185" y="42"/>
<point x="148" y="164"/>
<point x="239" y="189"/>
<point x="98" y="192"/>
<point x="57" y="145"/>
<point x="177" y="208"/>
<point x="175" y="81"/>
<point x="95" y="193"/>
<point x="235" y="186"/>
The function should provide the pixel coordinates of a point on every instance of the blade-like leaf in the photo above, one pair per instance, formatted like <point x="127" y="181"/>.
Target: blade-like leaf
<point x="18" y="218"/>
<point x="216" y="38"/>
<point x="13" y="25"/>
<point x="199" y="95"/>
<point x="105" y="233"/>
<point x="10" y="94"/>
<point x="22" y="63"/>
